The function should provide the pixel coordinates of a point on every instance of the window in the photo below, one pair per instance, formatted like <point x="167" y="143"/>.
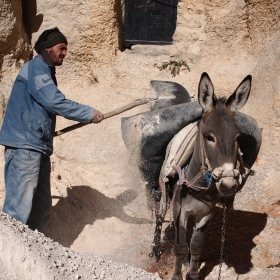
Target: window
<point x="149" y="21"/>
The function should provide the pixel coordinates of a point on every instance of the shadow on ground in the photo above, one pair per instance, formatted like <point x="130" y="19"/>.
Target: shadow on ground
<point x="84" y="205"/>
<point x="241" y="229"/>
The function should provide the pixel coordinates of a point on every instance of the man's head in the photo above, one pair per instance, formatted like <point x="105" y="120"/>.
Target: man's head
<point x="54" y="43"/>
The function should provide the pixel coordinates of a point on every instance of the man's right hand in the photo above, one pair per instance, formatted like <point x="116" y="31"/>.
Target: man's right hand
<point x="97" y="117"/>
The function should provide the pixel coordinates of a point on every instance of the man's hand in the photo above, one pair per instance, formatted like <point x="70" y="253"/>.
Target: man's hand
<point x="97" y="117"/>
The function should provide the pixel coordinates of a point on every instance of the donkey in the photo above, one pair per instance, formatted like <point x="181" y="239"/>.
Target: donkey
<point x="216" y="152"/>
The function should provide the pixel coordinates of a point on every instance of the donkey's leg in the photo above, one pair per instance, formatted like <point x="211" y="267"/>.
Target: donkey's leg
<point x="197" y="245"/>
<point x="181" y="246"/>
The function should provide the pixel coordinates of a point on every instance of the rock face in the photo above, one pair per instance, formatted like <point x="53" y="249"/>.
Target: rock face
<point x="98" y="196"/>
<point x="14" y="47"/>
<point x="13" y="38"/>
<point x="91" y="30"/>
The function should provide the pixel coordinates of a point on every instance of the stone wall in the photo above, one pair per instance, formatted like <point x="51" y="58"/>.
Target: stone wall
<point x="92" y="30"/>
<point x="14" y="47"/>
<point x="91" y="168"/>
<point x="227" y="39"/>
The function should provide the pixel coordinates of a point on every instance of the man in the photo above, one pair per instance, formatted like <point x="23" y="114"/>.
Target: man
<point x="28" y="129"/>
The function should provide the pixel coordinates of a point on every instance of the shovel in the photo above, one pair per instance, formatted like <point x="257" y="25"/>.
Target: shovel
<point x="163" y="95"/>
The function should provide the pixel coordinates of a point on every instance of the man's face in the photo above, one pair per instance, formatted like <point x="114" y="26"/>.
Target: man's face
<point x="57" y="53"/>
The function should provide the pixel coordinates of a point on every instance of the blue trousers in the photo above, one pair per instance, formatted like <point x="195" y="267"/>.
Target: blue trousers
<point x="27" y="182"/>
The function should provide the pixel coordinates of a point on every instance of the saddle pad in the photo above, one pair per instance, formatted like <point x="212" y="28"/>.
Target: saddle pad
<point x="179" y="150"/>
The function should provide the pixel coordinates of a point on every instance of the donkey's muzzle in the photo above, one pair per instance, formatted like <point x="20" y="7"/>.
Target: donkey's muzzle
<point x="226" y="181"/>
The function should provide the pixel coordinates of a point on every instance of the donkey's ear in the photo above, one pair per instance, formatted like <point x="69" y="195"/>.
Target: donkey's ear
<point x="238" y="99"/>
<point x="206" y="96"/>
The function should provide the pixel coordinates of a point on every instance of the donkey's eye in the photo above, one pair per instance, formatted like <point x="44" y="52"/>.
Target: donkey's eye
<point x="209" y="137"/>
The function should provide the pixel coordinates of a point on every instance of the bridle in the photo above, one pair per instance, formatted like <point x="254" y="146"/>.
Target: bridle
<point x="240" y="172"/>
<point x="206" y="170"/>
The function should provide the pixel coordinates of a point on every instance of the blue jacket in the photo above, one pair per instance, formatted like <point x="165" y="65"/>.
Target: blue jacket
<point x="35" y="100"/>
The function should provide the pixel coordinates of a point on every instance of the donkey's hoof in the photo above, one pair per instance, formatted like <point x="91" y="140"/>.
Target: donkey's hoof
<point x="192" y="276"/>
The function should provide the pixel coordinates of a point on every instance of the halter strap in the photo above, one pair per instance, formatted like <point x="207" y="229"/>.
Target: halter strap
<point x="206" y="166"/>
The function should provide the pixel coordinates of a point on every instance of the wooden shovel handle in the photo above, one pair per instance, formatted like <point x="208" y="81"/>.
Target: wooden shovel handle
<point x="115" y="112"/>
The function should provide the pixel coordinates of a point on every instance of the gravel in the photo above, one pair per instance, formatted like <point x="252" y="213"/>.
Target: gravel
<point x="27" y="254"/>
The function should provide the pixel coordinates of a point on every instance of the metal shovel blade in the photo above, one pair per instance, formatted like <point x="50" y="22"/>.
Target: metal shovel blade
<point x="168" y="94"/>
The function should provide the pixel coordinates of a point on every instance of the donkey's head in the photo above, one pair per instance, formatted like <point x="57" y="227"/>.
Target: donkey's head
<point x="219" y="133"/>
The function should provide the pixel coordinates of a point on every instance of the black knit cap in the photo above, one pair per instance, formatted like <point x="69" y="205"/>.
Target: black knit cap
<point x="49" y="38"/>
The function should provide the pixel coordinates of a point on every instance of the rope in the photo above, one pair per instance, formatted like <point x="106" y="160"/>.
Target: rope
<point x="223" y="240"/>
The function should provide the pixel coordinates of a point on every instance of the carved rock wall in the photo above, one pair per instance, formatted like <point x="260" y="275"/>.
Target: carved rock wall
<point x="91" y="28"/>
<point x="14" y="47"/>
<point x="228" y="39"/>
